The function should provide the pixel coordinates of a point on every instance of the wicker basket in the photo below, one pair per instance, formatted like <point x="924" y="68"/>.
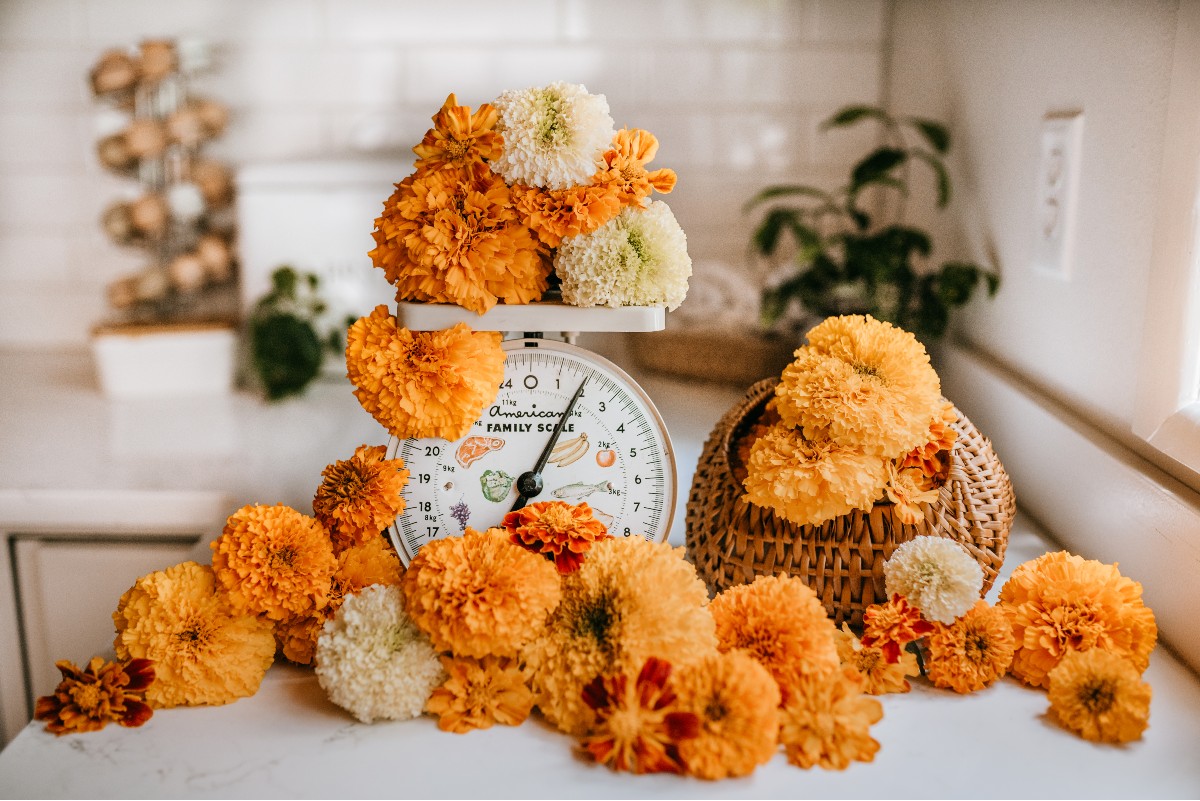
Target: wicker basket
<point x="731" y="541"/>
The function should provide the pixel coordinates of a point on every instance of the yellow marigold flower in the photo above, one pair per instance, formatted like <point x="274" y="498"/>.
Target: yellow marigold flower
<point x="454" y="236"/>
<point x="274" y="561"/>
<point x="479" y="594"/>
<point x="203" y="652"/>
<point x="911" y="491"/>
<point x="1100" y="696"/>
<point x="1059" y="603"/>
<point x="826" y="720"/>
<point x="736" y="703"/>
<point x="879" y="675"/>
<point x="780" y="622"/>
<point x="861" y="382"/>
<point x="740" y="455"/>
<point x="460" y="139"/>
<point x="892" y="625"/>
<point x="562" y="532"/>
<point x="624" y="168"/>
<point x="972" y="652"/>
<point x="555" y="214"/>
<point x="639" y="725"/>
<point x="811" y="481"/>
<point x="87" y="699"/>
<point x="480" y="693"/>
<point x="359" y="566"/>
<point x="423" y="383"/>
<point x="360" y="496"/>
<point x="631" y="600"/>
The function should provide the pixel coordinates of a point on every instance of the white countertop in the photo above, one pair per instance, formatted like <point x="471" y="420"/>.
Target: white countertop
<point x="289" y="741"/>
<point x="60" y="435"/>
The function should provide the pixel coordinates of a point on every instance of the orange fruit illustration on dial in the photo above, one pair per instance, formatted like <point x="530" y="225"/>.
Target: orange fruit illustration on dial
<point x="606" y="457"/>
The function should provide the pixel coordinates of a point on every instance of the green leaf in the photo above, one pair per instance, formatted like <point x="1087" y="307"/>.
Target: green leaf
<point x="956" y="281"/>
<point x="934" y="132"/>
<point x="852" y="114"/>
<point x="766" y="236"/>
<point x="943" y="177"/>
<point x="786" y="190"/>
<point x="993" y="283"/>
<point x="876" y="165"/>
<point x="284" y="282"/>
<point x="286" y="353"/>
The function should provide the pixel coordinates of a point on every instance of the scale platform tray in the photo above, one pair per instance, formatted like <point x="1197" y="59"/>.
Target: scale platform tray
<point x="540" y="316"/>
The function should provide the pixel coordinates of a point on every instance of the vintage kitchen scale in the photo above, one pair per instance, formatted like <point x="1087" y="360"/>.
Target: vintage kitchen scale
<point x="566" y="424"/>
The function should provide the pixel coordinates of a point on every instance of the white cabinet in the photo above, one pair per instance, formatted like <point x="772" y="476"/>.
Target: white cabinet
<point x="65" y="560"/>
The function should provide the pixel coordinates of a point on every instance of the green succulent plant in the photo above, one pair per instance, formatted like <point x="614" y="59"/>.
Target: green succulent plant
<point x="285" y="346"/>
<point x="849" y="259"/>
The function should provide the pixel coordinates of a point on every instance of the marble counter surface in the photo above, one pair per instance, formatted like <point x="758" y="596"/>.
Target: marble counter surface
<point x="290" y="741"/>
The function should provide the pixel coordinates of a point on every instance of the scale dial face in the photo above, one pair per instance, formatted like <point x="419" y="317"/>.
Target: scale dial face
<point x="613" y="453"/>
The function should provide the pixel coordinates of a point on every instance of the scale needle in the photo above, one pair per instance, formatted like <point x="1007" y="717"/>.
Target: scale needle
<point x="530" y="484"/>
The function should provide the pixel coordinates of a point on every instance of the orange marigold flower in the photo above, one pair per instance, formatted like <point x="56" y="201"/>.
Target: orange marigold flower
<point x="479" y="693"/>
<point x="892" y="625"/>
<point x="631" y="600"/>
<point x="934" y="456"/>
<point x="555" y="214"/>
<point x="560" y="531"/>
<point x="359" y="566"/>
<point x="780" y="622"/>
<point x="274" y="561"/>
<point x="624" y="168"/>
<point x="736" y="703"/>
<point x="203" y="651"/>
<point x="460" y="139"/>
<point x="972" y="652"/>
<point x="1059" y="603"/>
<point x="911" y="491"/>
<point x="638" y="723"/>
<point x="454" y="236"/>
<point x="360" y="496"/>
<point x="479" y="594"/>
<point x="879" y="675"/>
<point x="826" y="720"/>
<point x="87" y="699"/>
<point x="1100" y="696"/>
<point x="422" y="383"/>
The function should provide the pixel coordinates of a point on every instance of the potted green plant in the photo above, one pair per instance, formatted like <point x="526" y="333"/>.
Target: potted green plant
<point x="852" y="250"/>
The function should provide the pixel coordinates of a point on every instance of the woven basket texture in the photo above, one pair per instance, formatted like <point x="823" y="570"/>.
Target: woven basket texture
<point x="732" y="542"/>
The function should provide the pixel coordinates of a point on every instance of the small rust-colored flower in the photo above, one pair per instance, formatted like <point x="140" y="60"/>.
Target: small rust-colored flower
<point x="779" y="621"/>
<point x="638" y="723"/>
<point x="360" y="496"/>
<point x="274" y="561"/>
<point x="972" y="652"/>
<point x="737" y="704"/>
<point x="87" y="699"/>
<point x="560" y="531"/>
<point x="934" y="456"/>
<point x="624" y="168"/>
<point x="879" y="675"/>
<point x="555" y="214"/>
<point x="1100" y="696"/>
<point x="479" y="693"/>
<point x="826" y="720"/>
<point x="480" y="594"/>
<point x="459" y="139"/>
<point x="422" y="383"/>
<point x="891" y="625"/>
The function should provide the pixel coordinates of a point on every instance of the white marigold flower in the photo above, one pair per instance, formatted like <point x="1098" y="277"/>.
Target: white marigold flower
<point x="936" y="575"/>
<point x="373" y="661"/>
<point x="554" y="136"/>
<point x="639" y="258"/>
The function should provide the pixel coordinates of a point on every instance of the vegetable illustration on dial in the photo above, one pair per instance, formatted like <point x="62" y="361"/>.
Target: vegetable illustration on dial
<point x="566" y="424"/>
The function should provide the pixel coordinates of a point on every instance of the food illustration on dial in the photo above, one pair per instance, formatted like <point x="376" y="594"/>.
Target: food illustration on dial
<point x="566" y="425"/>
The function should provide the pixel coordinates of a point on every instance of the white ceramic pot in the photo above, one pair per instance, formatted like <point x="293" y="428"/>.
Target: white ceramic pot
<point x="165" y="360"/>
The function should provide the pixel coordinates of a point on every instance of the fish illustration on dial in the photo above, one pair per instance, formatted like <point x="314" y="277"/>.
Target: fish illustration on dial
<point x="580" y="490"/>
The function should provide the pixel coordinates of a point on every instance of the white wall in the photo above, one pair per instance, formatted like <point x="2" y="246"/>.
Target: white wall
<point x="993" y="70"/>
<point x="734" y="89"/>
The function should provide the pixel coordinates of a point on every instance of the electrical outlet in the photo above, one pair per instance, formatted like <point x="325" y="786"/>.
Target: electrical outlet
<point x="1057" y="194"/>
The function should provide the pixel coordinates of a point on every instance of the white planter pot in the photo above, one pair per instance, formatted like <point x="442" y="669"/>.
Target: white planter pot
<point x="165" y="360"/>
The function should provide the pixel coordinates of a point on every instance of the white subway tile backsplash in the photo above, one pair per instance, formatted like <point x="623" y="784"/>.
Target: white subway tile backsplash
<point x="733" y="89"/>
<point x="119" y="22"/>
<point x="416" y="22"/>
